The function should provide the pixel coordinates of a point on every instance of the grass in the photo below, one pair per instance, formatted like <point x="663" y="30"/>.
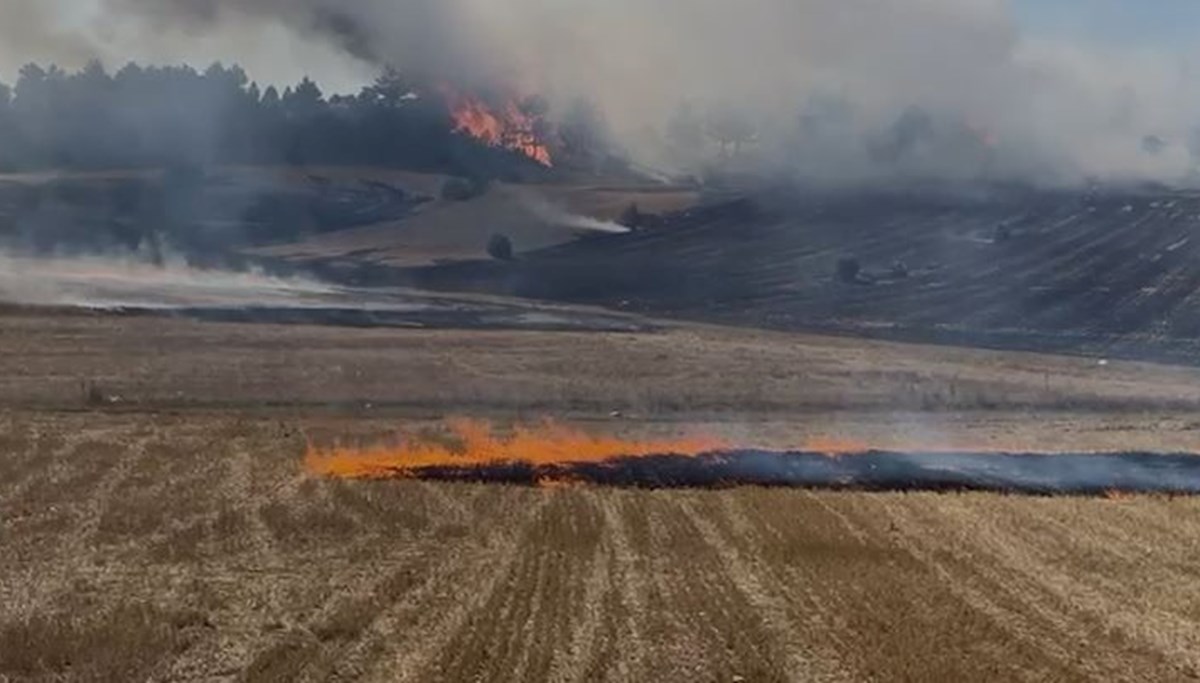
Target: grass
<point x="173" y="364"/>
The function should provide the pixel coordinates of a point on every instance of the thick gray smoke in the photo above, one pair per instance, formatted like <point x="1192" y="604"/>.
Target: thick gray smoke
<point x="823" y="84"/>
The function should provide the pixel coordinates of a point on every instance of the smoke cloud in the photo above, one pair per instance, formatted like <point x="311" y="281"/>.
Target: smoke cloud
<point x="826" y="84"/>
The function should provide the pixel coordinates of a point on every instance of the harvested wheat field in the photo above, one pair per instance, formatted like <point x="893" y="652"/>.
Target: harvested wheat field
<point x="185" y="548"/>
<point x="159" y="522"/>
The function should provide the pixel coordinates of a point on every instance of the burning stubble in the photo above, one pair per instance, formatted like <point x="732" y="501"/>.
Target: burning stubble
<point x="549" y="455"/>
<point x="469" y="443"/>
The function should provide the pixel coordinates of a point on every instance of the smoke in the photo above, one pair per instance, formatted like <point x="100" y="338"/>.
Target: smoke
<point x="557" y="215"/>
<point x="32" y="31"/>
<point x="71" y="32"/>
<point x="996" y="100"/>
<point x="107" y="282"/>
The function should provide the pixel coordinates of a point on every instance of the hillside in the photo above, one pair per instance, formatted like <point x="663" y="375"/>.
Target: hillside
<point x="1116" y="272"/>
<point x="289" y="216"/>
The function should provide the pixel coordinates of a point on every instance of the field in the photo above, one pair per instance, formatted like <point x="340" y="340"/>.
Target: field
<point x="1101" y="273"/>
<point x="158" y="521"/>
<point x="533" y="217"/>
<point x="158" y="524"/>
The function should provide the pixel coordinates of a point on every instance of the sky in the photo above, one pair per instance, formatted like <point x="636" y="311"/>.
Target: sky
<point x="1161" y="24"/>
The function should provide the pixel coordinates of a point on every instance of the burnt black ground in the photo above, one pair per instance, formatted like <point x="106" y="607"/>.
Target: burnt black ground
<point x="1034" y="474"/>
<point x="456" y="317"/>
<point x="1101" y="272"/>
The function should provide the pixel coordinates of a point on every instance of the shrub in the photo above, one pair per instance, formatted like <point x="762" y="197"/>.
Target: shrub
<point x="500" y="247"/>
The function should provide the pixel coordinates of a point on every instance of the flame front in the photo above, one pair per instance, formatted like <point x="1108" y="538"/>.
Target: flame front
<point x="473" y="443"/>
<point x="506" y="125"/>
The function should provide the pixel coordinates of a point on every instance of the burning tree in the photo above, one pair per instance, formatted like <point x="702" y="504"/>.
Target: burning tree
<point x="508" y="122"/>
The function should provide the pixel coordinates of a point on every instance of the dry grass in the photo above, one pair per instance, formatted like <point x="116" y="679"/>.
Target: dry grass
<point x="148" y="363"/>
<point x="262" y="575"/>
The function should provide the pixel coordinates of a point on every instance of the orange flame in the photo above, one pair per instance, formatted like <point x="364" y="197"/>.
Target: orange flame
<point x="506" y="125"/>
<point x="473" y="443"/>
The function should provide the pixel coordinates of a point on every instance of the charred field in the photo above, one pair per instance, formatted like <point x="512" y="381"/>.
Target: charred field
<point x="1106" y="271"/>
<point x="1058" y="474"/>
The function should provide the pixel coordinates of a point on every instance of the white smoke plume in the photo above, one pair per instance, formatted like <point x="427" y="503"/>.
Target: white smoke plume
<point x="1054" y="108"/>
<point x="107" y="282"/>
<point x="556" y="214"/>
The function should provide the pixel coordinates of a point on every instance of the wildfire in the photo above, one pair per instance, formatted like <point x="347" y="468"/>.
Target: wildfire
<point x="473" y="443"/>
<point x="507" y="124"/>
<point x="550" y="455"/>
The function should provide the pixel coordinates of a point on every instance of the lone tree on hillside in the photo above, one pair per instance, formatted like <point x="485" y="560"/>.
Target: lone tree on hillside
<point x="500" y="247"/>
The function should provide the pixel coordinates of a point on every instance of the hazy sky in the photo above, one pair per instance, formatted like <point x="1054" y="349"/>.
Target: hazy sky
<point x="72" y="31"/>
<point x="1159" y="24"/>
<point x="278" y="55"/>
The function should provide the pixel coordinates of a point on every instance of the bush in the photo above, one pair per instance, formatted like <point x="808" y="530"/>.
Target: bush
<point x="462" y="189"/>
<point x="500" y="247"/>
<point x="848" y="269"/>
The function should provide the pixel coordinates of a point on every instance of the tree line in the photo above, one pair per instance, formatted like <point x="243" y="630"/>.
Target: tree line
<point x="165" y="116"/>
